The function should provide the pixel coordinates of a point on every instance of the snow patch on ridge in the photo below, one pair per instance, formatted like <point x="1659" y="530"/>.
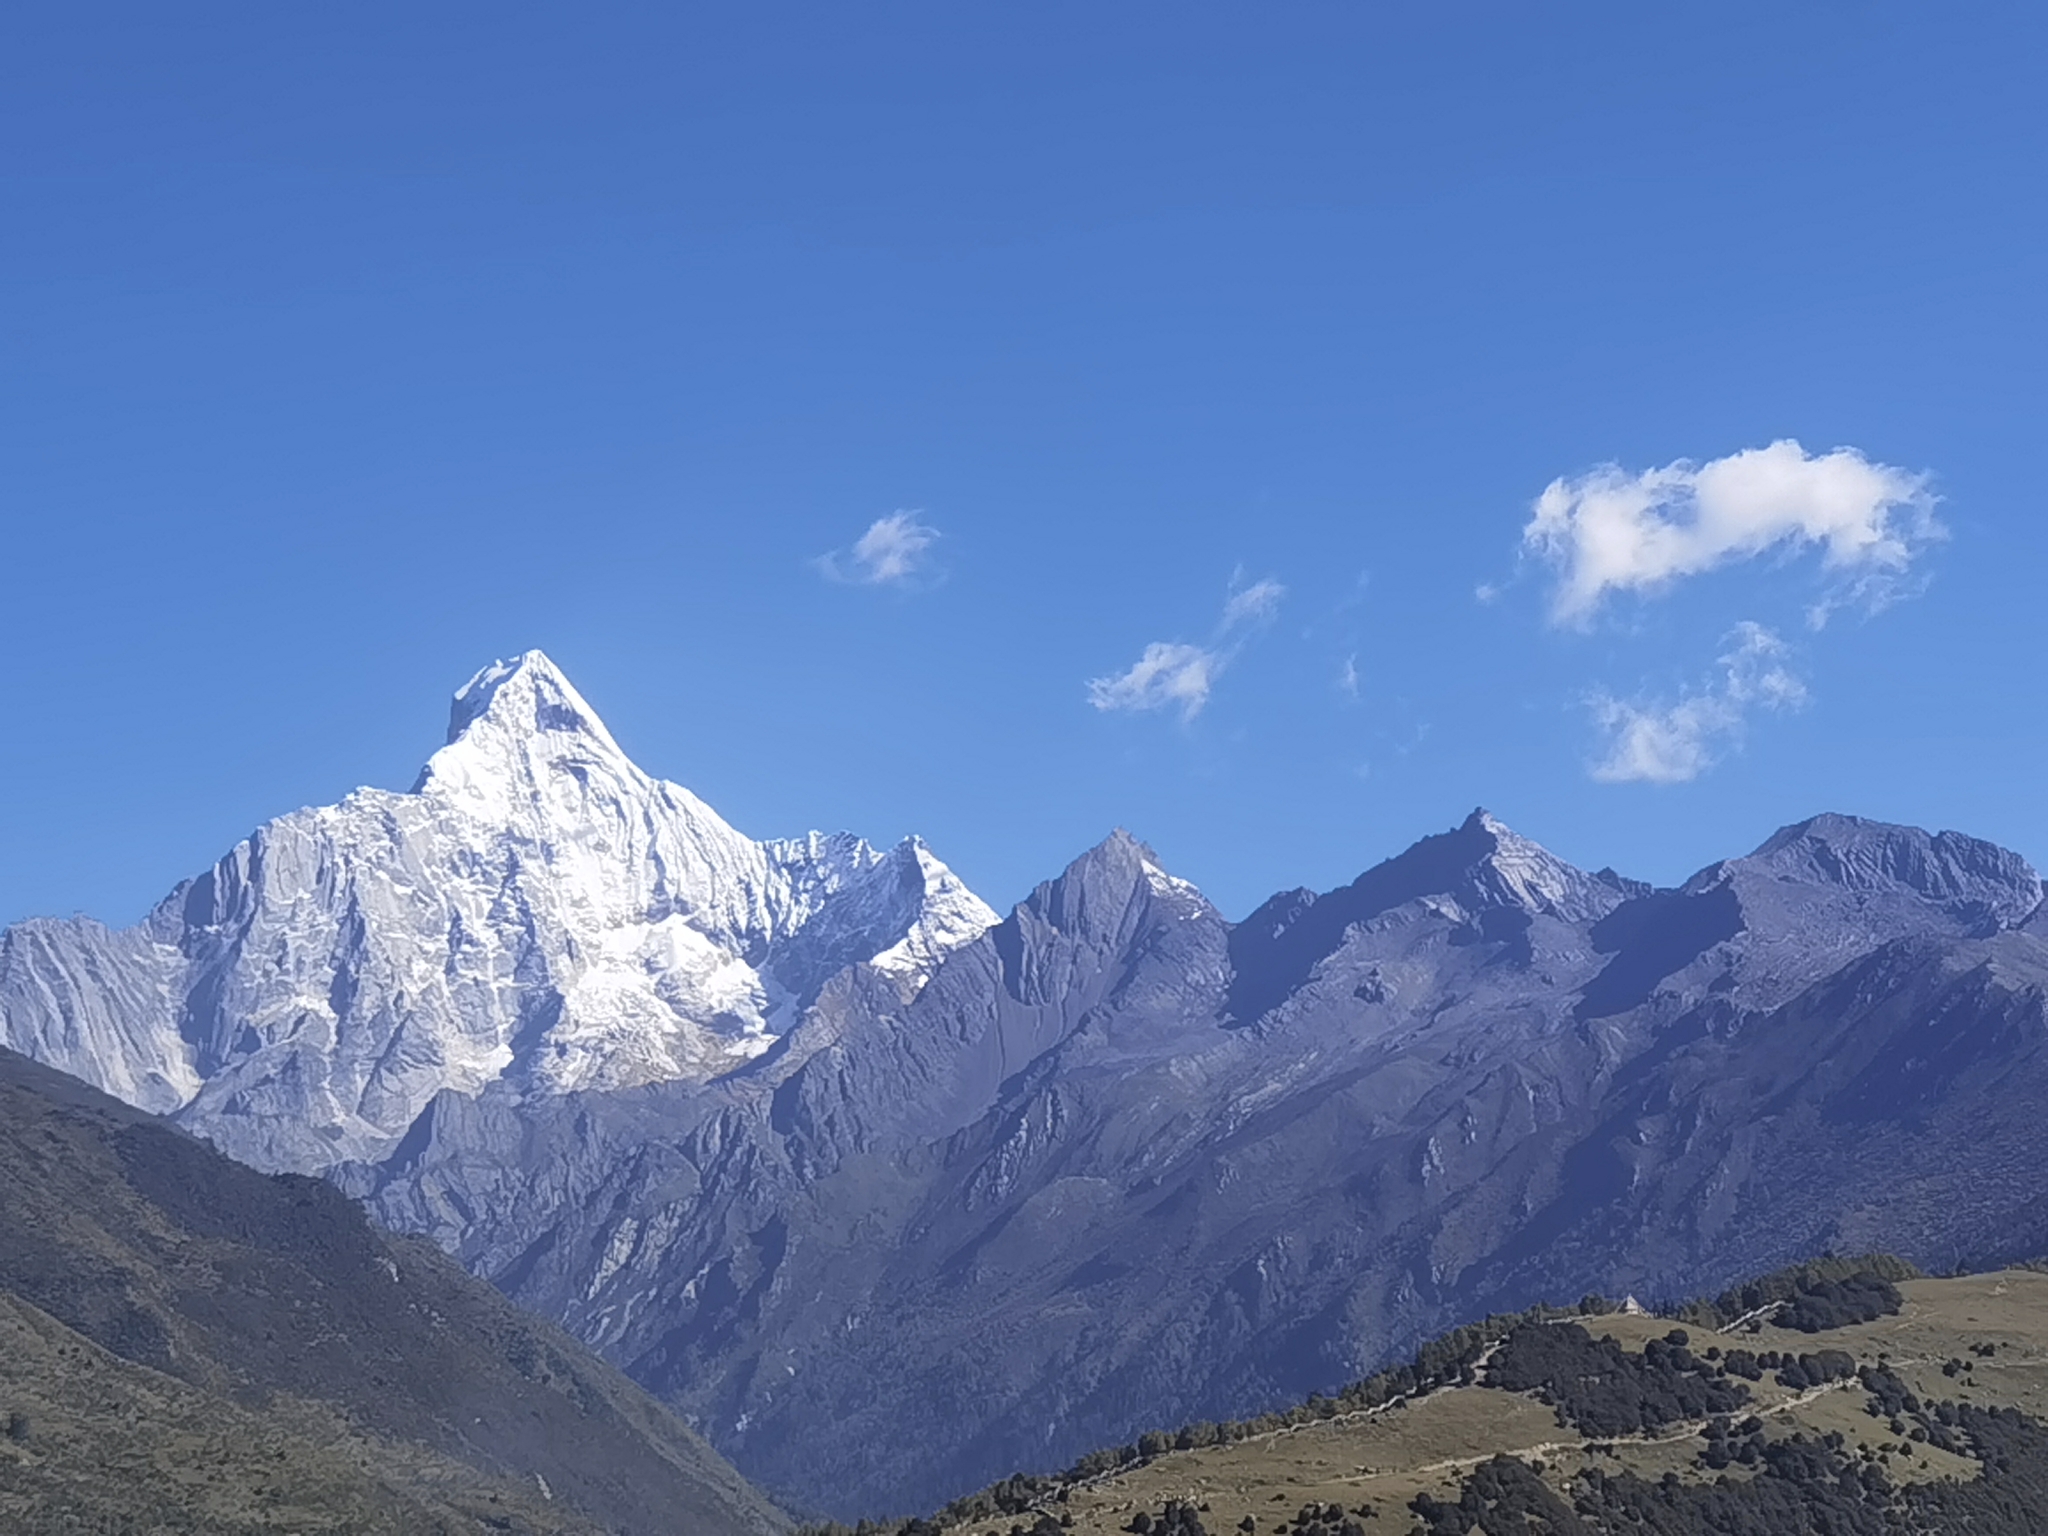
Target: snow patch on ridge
<point x="1518" y="871"/>
<point x="1184" y="893"/>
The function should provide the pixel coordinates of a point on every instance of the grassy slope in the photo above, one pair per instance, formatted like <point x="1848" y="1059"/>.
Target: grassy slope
<point x="1386" y="1458"/>
<point x="195" y="1347"/>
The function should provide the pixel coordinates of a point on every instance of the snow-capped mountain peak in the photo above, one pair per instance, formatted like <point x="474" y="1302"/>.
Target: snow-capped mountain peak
<point x="531" y="765"/>
<point x="952" y="915"/>
<point x="514" y="728"/>
<point x="526" y="692"/>
<point x="536" y="910"/>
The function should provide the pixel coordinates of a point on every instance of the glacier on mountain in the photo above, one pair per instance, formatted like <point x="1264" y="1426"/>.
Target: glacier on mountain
<point x="536" y="910"/>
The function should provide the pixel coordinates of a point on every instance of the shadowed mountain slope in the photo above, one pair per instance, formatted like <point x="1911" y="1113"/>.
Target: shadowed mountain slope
<point x="197" y="1346"/>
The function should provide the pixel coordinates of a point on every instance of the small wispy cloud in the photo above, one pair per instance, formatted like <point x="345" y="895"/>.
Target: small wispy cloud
<point x="892" y="553"/>
<point x="1253" y="604"/>
<point x="1612" y="531"/>
<point x="1174" y="674"/>
<point x="1677" y="742"/>
<point x="1169" y="674"/>
<point x="1347" y="677"/>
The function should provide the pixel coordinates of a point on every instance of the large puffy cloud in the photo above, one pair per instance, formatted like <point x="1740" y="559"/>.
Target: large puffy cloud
<point x="891" y="553"/>
<point x="1174" y="674"/>
<point x="1672" y="743"/>
<point x="1612" y="531"/>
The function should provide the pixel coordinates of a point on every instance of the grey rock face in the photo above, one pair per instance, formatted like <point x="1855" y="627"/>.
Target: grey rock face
<point x="892" y="1198"/>
<point x="93" y="1001"/>
<point x="1975" y="882"/>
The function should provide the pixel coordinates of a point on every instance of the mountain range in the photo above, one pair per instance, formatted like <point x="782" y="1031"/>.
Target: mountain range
<point x="891" y="1197"/>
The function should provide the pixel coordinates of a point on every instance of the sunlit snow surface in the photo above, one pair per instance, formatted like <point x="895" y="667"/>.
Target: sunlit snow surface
<point x="537" y="909"/>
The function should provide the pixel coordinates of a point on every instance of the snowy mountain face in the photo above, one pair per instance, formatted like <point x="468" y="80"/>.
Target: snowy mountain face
<point x="537" y="911"/>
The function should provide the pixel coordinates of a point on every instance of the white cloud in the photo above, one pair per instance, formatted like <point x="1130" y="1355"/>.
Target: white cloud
<point x="890" y="553"/>
<point x="1673" y="743"/>
<point x="1175" y="674"/>
<point x="1169" y="673"/>
<point x="1251" y="604"/>
<point x="1612" y="531"/>
<point x="1347" y="677"/>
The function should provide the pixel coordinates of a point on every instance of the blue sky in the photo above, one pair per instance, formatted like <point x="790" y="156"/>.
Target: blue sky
<point x="347" y="348"/>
